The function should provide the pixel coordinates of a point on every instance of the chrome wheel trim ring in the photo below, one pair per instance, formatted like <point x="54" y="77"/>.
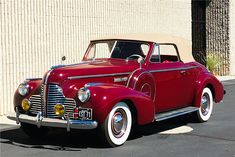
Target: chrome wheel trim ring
<point x="119" y="123"/>
<point x="205" y="104"/>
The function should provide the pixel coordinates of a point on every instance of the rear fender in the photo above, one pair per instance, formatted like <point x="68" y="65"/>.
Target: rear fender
<point x="105" y="96"/>
<point x="208" y="80"/>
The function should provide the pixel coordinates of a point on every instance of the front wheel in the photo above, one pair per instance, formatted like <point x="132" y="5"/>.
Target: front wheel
<point x="206" y="106"/>
<point x="117" y="125"/>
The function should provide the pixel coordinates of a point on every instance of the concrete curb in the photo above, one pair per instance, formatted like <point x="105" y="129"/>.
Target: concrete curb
<point x="225" y="78"/>
<point x="4" y="120"/>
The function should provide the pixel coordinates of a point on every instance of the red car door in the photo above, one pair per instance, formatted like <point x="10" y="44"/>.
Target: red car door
<point x="174" y="82"/>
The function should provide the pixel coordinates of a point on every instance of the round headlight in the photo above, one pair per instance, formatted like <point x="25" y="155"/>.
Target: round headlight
<point x="84" y="94"/>
<point x="59" y="109"/>
<point x="23" y="89"/>
<point x="25" y="104"/>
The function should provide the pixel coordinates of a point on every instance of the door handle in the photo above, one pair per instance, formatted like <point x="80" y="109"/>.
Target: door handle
<point x="183" y="72"/>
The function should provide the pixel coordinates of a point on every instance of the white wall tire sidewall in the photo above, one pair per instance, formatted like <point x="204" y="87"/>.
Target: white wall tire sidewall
<point x="121" y="140"/>
<point x="205" y="118"/>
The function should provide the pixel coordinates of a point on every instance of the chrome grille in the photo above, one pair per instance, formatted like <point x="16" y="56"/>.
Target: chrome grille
<point x="36" y="104"/>
<point x="69" y="104"/>
<point x="55" y="95"/>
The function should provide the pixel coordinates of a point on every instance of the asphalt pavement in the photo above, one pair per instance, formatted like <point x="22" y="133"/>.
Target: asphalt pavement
<point x="177" y="137"/>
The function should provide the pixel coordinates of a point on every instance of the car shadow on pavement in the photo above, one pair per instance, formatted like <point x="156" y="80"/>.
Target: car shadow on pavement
<point x="158" y="127"/>
<point x="59" y="139"/>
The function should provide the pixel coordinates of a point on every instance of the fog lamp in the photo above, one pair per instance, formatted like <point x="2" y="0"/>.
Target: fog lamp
<point x="25" y="104"/>
<point x="59" y="109"/>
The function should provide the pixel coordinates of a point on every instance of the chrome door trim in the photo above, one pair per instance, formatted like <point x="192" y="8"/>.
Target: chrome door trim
<point x="172" y="69"/>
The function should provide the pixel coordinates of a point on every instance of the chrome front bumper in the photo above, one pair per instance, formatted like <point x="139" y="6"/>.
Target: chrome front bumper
<point x="39" y="120"/>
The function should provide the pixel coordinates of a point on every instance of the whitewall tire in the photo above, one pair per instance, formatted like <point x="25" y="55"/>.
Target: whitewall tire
<point x="117" y="125"/>
<point x="206" y="105"/>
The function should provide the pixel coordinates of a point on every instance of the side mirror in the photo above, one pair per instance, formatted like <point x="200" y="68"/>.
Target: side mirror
<point x="140" y="61"/>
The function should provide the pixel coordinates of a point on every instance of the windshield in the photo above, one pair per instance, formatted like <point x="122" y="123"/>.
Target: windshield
<point x="116" y="49"/>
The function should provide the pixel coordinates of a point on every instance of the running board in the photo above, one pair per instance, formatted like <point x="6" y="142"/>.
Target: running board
<point x="174" y="113"/>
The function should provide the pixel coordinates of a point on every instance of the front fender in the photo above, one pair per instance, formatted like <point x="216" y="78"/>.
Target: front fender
<point x="208" y="80"/>
<point x="34" y="88"/>
<point x="105" y="96"/>
<point x="143" y="81"/>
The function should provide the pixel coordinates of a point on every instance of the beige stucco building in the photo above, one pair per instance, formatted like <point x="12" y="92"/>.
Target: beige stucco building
<point x="34" y="35"/>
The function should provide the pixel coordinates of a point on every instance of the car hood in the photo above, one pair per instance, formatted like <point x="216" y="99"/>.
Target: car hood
<point x="90" y="68"/>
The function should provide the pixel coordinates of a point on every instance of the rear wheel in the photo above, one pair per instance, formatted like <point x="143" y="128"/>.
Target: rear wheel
<point x="33" y="131"/>
<point x="206" y="106"/>
<point x="117" y="126"/>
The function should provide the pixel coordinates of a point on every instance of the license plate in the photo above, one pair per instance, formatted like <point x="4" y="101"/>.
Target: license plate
<point x="82" y="113"/>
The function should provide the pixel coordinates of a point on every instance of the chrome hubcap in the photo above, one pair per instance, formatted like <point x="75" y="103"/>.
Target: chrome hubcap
<point x="205" y="104"/>
<point x="119" y="123"/>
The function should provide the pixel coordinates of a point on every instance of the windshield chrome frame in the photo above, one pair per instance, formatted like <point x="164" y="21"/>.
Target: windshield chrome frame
<point x="115" y="42"/>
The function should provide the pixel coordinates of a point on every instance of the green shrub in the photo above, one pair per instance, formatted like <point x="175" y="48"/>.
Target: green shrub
<point x="213" y="61"/>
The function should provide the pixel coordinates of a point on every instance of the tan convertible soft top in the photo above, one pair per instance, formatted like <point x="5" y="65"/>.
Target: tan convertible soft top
<point x="183" y="45"/>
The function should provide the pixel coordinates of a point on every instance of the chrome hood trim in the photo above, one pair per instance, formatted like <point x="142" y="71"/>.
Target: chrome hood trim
<point x="98" y="75"/>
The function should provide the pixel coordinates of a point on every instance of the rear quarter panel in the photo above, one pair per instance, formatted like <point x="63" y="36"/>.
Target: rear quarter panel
<point x="207" y="79"/>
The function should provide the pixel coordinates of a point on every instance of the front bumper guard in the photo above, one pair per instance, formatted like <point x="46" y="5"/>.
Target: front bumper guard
<point x="39" y="120"/>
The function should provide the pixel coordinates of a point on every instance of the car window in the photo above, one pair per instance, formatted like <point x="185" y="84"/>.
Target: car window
<point x="145" y="48"/>
<point x="100" y="50"/>
<point x="168" y="53"/>
<point x="155" y="55"/>
<point x="117" y="49"/>
<point x="124" y="49"/>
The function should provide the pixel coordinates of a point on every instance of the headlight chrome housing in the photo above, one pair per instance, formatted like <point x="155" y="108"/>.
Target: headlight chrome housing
<point x="23" y="89"/>
<point x="84" y="94"/>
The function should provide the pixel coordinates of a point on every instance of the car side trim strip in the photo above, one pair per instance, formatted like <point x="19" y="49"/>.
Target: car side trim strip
<point x="175" y="113"/>
<point x="172" y="69"/>
<point x="98" y="75"/>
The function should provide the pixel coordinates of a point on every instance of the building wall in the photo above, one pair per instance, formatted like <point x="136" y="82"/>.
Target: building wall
<point x="199" y="30"/>
<point x="35" y="34"/>
<point x="217" y="33"/>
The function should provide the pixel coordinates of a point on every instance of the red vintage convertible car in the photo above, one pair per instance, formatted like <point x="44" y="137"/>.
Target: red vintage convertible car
<point x="121" y="81"/>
